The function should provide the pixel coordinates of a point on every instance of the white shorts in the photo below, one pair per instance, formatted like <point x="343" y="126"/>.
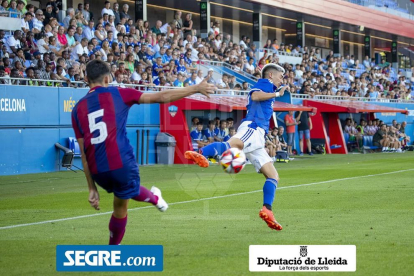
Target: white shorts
<point x="254" y="144"/>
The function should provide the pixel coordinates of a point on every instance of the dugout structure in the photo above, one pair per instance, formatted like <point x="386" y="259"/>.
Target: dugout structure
<point x="327" y="124"/>
<point x="175" y="118"/>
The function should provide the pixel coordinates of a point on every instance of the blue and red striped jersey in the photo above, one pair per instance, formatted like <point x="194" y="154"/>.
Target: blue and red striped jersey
<point x="100" y="119"/>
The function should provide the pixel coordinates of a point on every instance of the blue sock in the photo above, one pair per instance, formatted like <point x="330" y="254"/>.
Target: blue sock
<point x="214" y="149"/>
<point x="269" y="191"/>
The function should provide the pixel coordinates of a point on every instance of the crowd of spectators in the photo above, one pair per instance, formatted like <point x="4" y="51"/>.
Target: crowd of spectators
<point x="388" y="138"/>
<point x="48" y="48"/>
<point x="168" y="54"/>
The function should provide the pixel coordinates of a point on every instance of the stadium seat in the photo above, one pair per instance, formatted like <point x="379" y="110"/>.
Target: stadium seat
<point x="368" y="144"/>
<point x="74" y="146"/>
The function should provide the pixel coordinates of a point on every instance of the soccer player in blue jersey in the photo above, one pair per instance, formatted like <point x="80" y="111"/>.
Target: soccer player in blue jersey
<point x="250" y="137"/>
<point x="99" y="121"/>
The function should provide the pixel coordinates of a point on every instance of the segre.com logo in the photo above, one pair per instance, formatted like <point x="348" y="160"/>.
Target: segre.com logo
<point x="109" y="258"/>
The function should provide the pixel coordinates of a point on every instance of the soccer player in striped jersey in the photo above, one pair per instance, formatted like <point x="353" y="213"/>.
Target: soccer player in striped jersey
<point x="250" y="137"/>
<point x="99" y="121"/>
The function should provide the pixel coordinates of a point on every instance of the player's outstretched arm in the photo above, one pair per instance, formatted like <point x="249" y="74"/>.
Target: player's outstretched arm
<point x="93" y="191"/>
<point x="172" y="95"/>
<point x="260" y="96"/>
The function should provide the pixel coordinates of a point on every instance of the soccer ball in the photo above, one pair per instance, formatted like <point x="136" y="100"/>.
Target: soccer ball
<point x="233" y="160"/>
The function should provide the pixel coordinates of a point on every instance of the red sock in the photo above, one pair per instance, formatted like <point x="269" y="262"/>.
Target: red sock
<point x="116" y="230"/>
<point x="146" y="196"/>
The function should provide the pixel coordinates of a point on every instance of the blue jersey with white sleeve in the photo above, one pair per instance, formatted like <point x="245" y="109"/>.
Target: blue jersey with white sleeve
<point x="260" y="112"/>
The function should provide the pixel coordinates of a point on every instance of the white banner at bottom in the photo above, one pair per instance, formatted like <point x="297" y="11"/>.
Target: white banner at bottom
<point x="302" y="258"/>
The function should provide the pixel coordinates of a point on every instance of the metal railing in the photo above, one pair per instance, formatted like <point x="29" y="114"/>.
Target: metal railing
<point x="219" y="92"/>
<point x="82" y="84"/>
<point x="9" y="14"/>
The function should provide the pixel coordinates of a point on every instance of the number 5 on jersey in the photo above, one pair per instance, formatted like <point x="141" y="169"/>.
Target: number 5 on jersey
<point x="101" y="126"/>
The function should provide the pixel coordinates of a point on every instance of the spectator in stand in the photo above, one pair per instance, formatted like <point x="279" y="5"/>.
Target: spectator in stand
<point x="187" y="25"/>
<point x="12" y="8"/>
<point x="38" y="22"/>
<point x="49" y="14"/>
<point x="80" y="49"/>
<point x="304" y="128"/>
<point x="25" y="23"/>
<point x="124" y="13"/>
<point x="70" y="15"/>
<point x="13" y="43"/>
<point x="192" y="80"/>
<point x="4" y="5"/>
<point x="179" y="82"/>
<point x="157" y="28"/>
<point x="107" y="9"/>
<point x="70" y="37"/>
<point x="209" y="76"/>
<point x="249" y="67"/>
<point x="290" y="123"/>
<point x="223" y="83"/>
<point x="199" y="76"/>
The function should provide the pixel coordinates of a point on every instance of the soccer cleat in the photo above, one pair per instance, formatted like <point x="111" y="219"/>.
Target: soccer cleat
<point x="267" y="216"/>
<point x="162" y="205"/>
<point x="199" y="159"/>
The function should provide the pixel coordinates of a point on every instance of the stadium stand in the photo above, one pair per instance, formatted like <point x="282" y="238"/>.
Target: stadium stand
<point x="52" y="52"/>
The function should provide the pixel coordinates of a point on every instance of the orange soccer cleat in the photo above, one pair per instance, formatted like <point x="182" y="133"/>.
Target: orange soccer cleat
<point x="199" y="159"/>
<point x="267" y="216"/>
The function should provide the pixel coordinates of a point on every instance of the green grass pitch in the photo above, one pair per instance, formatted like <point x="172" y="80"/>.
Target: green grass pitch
<point x="372" y="209"/>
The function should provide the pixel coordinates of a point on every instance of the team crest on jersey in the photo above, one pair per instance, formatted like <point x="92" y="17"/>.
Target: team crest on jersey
<point x="173" y="110"/>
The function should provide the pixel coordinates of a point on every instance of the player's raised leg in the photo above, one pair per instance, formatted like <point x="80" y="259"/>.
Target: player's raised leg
<point x="269" y="191"/>
<point x="152" y="196"/>
<point x="213" y="150"/>
<point x="118" y="221"/>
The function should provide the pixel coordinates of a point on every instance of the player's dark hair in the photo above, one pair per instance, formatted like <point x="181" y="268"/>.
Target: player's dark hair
<point x="199" y="124"/>
<point x="231" y="128"/>
<point x="211" y="122"/>
<point x="96" y="70"/>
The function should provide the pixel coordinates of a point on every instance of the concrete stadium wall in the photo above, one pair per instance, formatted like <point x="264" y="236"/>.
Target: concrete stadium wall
<point x="33" y="119"/>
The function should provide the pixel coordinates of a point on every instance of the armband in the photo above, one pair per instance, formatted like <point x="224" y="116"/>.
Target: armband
<point x="277" y="94"/>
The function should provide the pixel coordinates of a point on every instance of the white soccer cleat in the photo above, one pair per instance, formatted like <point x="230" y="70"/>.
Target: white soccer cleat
<point x="162" y="205"/>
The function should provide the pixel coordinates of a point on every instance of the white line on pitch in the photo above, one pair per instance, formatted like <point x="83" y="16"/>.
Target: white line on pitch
<point x="201" y="199"/>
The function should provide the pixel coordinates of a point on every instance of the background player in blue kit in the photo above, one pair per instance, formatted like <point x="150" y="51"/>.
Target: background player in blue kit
<point x="99" y="120"/>
<point x="250" y="137"/>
